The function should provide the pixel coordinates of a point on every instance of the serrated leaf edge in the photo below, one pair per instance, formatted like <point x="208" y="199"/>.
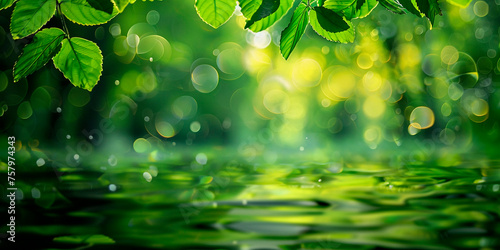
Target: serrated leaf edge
<point x="100" y="72"/>
<point x="93" y="24"/>
<point x="215" y="27"/>
<point x="15" y="64"/>
<point x="11" y="18"/>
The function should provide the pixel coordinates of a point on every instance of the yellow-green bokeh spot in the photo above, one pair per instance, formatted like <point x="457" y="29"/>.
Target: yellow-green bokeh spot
<point x="24" y="111"/>
<point x="422" y="117"/>
<point x="460" y="3"/>
<point x="141" y="145"/>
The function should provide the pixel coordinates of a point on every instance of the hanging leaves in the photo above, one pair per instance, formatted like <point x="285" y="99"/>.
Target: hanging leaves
<point x="29" y="16"/>
<point x="215" y="12"/>
<point x="80" y="61"/>
<point x="292" y="34"/>
<point x="36" y="54"/>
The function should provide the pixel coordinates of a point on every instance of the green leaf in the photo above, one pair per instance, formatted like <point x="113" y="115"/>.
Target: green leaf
<point x="430" y="8"/>
<point x="37" y="53"/>
<point x="331" y="25"/>
<point x="102" y="5"/>
<point x="360" y="9"/>
<point x="267" y="8"/>
<point x="80" y="61"/>
<point x="121" y="4"/>
<point x="82" y="12"/>
<point x="268" y="21"/>
<point x="249" y="7"/>
<point x="408" y="4"/>
<point x="393" y="6"/>
<point x="215" y="12"/>
<point x="4" y="4"/>
<point x="338" y="5"/>
<point x="30" y="16"/>
<point x="291" y="35"/>
<point x="460" y="3"/>
<point x="85" y="239"/>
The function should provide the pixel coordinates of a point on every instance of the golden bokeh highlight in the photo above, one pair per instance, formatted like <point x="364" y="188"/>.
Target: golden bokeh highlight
<point x="364" y="61"/>
<point x="446" y="109"/>
<point x="306" y="73"/>
<point x="340" y="84"/>
<point x="479" y="107"/>
<point x="481" y="8"/>
<point x="276" y="101"/>
<point x="422" y="117"/>
<point x="449" y="55"/>
<point x="165" y="129"/>
<point x="372" y="81"/>
<point x="374" y="106"/>
<point x="409" y="55"/>
<point x="141" y="145"/>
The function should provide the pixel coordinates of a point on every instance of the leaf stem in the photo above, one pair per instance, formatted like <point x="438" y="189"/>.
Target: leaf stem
<point x="63" y="21"/>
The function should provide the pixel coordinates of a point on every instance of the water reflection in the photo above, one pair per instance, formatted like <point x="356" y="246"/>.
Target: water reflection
<point x="239" y="204"/>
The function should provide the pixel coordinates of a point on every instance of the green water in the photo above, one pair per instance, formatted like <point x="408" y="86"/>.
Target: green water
<point x="222" y="200"/>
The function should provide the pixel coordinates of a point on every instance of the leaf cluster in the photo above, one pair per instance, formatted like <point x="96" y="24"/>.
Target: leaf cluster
<point x="79" y="59"/>
<point x="331" y="19"/>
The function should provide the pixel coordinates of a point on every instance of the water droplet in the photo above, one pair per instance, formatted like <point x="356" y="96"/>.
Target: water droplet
<point x="58" y="109"/>
<point x="185" y="107"/>
<point x="496" y="187"/>
<point x="146" y="118"/>
<point x="492" y="53"/>
<point x="76" y="157"/>
<point x="35" y="193"/>
<point x="40" y="162"/>
<point x="335" y="168"/>
<point x="153" y="170"/>
<point x="195" y="126"/>
<point x="115" y="29"/>
<point x="153" y="17"/>
<point x="117" y="82"/>
<point x="147" y="176"/>
<point x="112" y="161"/>
<point x="479" y="187"/>
<point x="91" y="137"/>
<point x="68" y="137"/>
<point x="151" y="59"/>
<point x="301" y="148"/>
<point x="112" y="187"/>
<point x="319" y="180"/>
<point x="226" y="124"/>
<point x="201" y="158"/>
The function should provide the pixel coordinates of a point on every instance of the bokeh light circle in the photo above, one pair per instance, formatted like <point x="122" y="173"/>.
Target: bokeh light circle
<point x="422" y="117"/>
<point x="205" y="78"/>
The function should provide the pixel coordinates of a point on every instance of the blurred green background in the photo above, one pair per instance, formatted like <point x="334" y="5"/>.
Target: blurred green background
<point x="168" y="77"/>
<point x="406" y="117"/>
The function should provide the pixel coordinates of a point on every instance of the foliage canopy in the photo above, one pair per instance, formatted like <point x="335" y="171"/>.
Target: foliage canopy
<point x="80" y="60"/>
